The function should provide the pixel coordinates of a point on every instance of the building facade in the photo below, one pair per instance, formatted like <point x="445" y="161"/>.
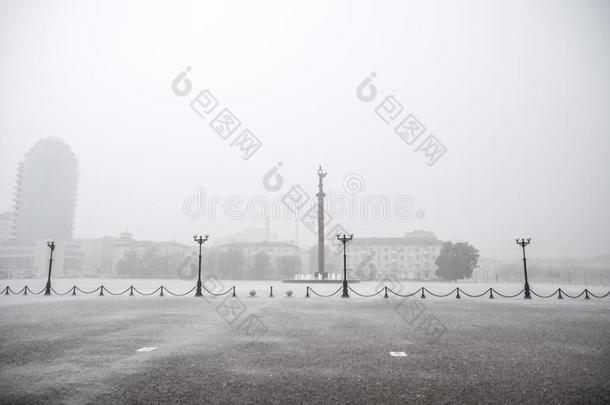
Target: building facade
<point x="7" y="227"/>
<point x="45" y="193"/>
<point x="412" y="256"/>
<point x="31" y="260"/>
<point x="44" y="208"/>
<point x="249" y="251"/>
<point x="110" y="257"/>
<point x="272" y="248"/>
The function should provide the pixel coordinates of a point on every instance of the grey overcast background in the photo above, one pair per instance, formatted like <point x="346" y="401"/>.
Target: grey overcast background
<point x="518" y="92"/>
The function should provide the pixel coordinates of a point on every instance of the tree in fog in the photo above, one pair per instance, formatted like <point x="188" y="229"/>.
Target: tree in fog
<point x="456" y="261"/>
<point x="365" y="268"/>
<point x="127" y="266"/>
<point x="261" y="266"/>
<point x="151" y="263"/>
<point x="230" y="264"/>
<point x="211" y="262"/>
<point x="288" y="266"/>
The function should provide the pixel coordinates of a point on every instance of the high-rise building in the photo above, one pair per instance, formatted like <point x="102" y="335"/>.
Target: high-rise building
<point x="45" y="194"/>
<point x="45" y="202"/>
<point x="7" y="231"/>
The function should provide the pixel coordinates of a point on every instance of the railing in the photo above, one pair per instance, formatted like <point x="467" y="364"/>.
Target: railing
<point x="162" y="290"/>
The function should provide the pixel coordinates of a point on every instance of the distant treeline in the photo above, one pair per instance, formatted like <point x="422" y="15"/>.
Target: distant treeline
<point x="564" y="274"/>
<point x="229" y="264"/>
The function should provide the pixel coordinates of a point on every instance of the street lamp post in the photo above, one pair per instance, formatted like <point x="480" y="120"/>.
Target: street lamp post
<point x="345" y="239"/>
<point x="199" y="239"/>
<point x="51" y="245"/>
<point x="523" y="242"/>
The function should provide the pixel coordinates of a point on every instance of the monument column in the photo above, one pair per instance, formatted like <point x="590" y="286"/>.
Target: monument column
<point x="321" y="196"/>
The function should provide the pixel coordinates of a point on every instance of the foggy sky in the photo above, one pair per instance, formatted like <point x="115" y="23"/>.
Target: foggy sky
<point x="517" y="91"/>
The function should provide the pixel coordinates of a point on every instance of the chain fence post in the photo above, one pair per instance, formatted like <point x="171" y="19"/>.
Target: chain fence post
<point x="422" y="293"/>
<point x="458" y="293"/>
<point x="386" y="292"/>
<point x="234" y="292"/>
<point x="307" y="294"/>
<point x="270" y="291"/>
<point x="587" y="294"/>
<point x="102" y="291"/>
<point x="559" y="297"/>
<point x="161" y="295"/>
<point x="491" y="293"/>
<point x="74" y="290"/>
<point x="131" y="291"/>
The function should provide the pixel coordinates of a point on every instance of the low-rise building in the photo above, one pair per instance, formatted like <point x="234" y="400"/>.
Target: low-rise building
<point x="31" y="259"/>
<point x="272" y="248"/>
<point x="108" y="256"/>
<point x="274" y="251"/>
<point x="412" y="256"/>
<point x="102" y="257"/>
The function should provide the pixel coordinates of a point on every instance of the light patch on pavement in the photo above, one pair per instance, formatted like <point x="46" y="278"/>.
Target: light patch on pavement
<point x="398" y="354"/>
<point x="146" y="349"/>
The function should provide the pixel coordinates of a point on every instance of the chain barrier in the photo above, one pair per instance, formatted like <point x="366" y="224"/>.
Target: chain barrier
<point x="441" y="295"/>
<point x="545" y="296"/>
<point x="508" y="296"/>
<point x="87" y="292"/>
<point x="39" y="292"/>
<point x="365" y="295"/>
<point x="116" y="294"/>
<point x="219" y="294"/>
<point x="475" y="295"/>
<point x="599" y="296"/>
<point x="572" y="296"/>
<point x="404" y="296"/>
<point x="24" y="290"/>
<point x="322" y="295"/>
<point x="66" y="293"/>
<point x="162" y="289"/>
<point x="180" y="295"/>
<point x="146" y="294"/>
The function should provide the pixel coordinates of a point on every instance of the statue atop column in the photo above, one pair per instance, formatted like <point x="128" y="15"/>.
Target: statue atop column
<point x="321" y="176"/>
<point x="321" y="195"/>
